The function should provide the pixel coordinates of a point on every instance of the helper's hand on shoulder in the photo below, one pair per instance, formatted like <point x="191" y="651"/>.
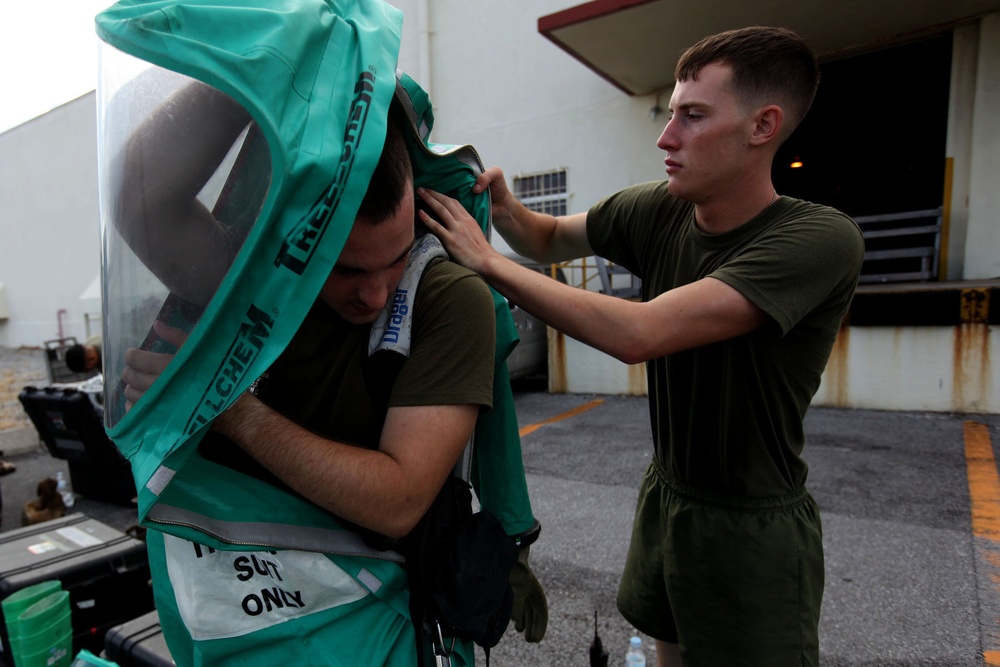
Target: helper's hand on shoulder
<point x="457" y="229"/>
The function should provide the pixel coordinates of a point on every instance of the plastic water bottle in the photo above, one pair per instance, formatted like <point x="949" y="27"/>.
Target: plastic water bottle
<point x="636" y="656"/>
<point x="62" y="486"/>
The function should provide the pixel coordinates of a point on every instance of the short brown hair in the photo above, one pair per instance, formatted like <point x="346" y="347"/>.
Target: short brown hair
<point x="76" y="358"/>
<point x="392" y="176"/>
<point x="769" y="65"/>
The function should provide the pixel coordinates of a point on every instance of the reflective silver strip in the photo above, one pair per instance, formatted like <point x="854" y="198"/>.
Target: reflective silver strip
<point x="160" y="479"/>
<point x="368" y="579"/>
<point x="403" y="95"/>
<point x="272" y="535"/>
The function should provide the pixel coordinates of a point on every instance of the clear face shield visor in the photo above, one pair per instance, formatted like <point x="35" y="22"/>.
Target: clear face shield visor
<point x="183" y="174"/>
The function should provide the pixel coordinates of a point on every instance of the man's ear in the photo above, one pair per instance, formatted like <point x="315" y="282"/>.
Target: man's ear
<point x="767" y="125"/>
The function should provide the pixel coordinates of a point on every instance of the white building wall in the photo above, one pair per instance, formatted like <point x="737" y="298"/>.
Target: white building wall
<point x="942" y="369"/>
<point x="49" y="224"/>
<point x="958" y="147"/>
<point x="982" y="250"/>
<point x="526" y="105"/>
<point x="414" y="33"/>
<point x="498" y="84"/>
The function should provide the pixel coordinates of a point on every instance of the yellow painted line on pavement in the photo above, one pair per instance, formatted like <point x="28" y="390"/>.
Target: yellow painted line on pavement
<point x="984" y="494"/>
<point x="984" y="484"/>
<point x="531" y="428"/>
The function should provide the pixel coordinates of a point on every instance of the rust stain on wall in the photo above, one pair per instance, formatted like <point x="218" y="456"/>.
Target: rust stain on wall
<point x="972" y="384"/>
<point x="637" y="380"/>
<point x="974" y="306"/>
<point x="557" y="362"/>
<point x="837" y="376"/>
<point x="958" y="354"/>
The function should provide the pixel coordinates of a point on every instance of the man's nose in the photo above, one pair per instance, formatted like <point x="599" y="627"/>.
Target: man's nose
<point x="373" y="292"/>
<point x="667" y="140"/>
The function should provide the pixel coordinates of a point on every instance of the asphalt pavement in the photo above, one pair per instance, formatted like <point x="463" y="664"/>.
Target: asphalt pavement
<point x="912" y="579"/>
<point x="908" y="584"/>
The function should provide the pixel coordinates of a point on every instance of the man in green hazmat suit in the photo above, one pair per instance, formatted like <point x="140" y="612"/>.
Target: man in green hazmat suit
<point x="241" y="552"/>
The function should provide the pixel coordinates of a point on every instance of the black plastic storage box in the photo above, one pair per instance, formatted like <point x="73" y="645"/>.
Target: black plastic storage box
<point x="72" y="429"/>
<point x="138" y="643"/>
<point x="105" y="571"/>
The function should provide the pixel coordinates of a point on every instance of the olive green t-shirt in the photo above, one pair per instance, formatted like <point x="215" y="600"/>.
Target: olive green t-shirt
<point x="320" y="381"/>
<point x="727" y="417"/>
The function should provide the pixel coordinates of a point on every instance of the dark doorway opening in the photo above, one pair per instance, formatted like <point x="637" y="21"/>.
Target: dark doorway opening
<point x="874" y="141"/>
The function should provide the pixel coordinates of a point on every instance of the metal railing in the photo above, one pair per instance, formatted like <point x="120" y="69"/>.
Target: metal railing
<point x="901" y="247"/>
<point x="582" y="272"/>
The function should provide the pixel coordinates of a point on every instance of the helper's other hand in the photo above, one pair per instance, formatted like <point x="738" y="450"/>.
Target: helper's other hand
<point x="531" y="610"/>
<point x="502" y="201"/>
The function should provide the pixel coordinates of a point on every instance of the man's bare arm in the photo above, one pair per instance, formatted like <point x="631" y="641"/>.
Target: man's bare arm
<point x="167" y="161"/>
<point x="386" y="490"/>
<point x="700" y="313"/>
<point x="703" y="312"/>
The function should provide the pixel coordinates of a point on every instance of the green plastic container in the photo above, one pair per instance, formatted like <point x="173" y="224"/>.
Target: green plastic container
<point x="59" y="653"/>
<point x="26" y="644"/>
<point x="17" y="603"/>
<point x="87" y="659"/>
<point x="43" y="613"/>
<point x="42" y="629"/>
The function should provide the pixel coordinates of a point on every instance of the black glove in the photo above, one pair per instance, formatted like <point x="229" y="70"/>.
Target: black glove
<point x="531" y="611"/>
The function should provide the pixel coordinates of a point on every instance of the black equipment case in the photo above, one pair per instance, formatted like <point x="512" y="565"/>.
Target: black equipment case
<point x="138" y="643"/>
<point x="105" y="571"/>
<point x="72" y="429"/>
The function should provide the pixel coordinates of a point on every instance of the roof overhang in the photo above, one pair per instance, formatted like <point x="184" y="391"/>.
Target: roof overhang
<point x="634" y="44"/>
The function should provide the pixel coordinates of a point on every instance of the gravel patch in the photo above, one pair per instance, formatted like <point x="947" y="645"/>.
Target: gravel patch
<point x="19" y="368"/>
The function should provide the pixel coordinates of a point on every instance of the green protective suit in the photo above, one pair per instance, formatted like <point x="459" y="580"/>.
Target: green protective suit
<point x="317" y="77"/>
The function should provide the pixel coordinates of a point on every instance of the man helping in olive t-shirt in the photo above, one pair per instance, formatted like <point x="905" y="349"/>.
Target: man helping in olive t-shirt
<point x="743" y="294"/>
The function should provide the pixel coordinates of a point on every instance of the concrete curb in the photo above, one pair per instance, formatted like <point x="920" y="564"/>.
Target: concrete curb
<point x="18" y="441"/>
